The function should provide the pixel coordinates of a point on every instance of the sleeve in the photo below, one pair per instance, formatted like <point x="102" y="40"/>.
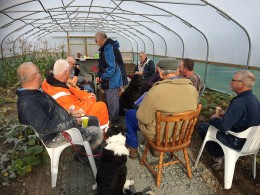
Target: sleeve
<point x="150" y="69"/>
<point x="146" y="112"/>
<point x="233" y="114"/>
<point x="136" y="68"/>
<point x="110" y="60"/>
<point x="37" y="117"/>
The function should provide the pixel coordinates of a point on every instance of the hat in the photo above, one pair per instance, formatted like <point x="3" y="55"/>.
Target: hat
<point x="168" y="64"/>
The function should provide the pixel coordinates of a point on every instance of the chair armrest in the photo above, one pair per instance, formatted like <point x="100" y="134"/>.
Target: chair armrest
<point x="238" y="134"/>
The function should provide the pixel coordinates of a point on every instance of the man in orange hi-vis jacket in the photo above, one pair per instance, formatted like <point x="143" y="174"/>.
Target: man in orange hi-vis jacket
<point x="72" y="98"/>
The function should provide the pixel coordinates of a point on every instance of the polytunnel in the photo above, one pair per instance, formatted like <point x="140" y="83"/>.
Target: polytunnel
<point x="220" y="36"/>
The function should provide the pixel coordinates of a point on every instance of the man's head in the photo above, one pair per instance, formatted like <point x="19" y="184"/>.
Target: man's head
<point x="100" y="38"/>
<point x="29" y="76"/>
<point x="61" y="70"/>
<point x="168" y="67"/>
<point x="71" y="61"/>
<point x="186" y="66"/>
<point x="242" y="80"/>
<point x="142" y="56"/>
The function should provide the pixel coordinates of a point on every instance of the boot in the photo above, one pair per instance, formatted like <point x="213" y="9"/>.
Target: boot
<point x="132" y="152"/>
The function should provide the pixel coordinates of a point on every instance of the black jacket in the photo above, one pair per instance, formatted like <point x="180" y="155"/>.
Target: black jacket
<point x="43" y="113"/>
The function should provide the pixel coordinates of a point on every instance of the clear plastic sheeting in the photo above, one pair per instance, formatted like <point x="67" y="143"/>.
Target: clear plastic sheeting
<point x="216" y="31"/>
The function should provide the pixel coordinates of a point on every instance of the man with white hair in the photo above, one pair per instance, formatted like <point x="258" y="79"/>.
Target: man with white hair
<point x="77" y="80"/>
<point x="243" y="112"/>
<point x="72" y="98"/>
<point x="42" y="112"/>
<point x="111" y="74"/>
<point x="145" y="67"/>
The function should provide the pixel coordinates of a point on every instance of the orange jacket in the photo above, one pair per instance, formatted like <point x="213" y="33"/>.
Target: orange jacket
<point x="73" y="98"/>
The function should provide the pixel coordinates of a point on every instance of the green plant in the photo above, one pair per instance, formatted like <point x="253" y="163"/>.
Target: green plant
<point x="23" y="152"/>
<point x="211" y="99"/>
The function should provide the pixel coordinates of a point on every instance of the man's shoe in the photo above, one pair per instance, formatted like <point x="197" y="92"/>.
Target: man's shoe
<point x="218" y="164"/>
<point x="132" y="152"/>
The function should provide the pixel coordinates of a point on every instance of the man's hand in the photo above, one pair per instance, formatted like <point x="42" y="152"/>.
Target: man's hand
<point x="77" y="113"/>
<point x="139" y="72"/>
<point x="79" y="121"/>
<point x="98" y="79"/>
<point x="92" y="95"/>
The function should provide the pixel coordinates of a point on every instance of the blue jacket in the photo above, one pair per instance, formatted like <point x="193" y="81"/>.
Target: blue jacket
<point x="242" y="113"/>
<point x="111" y="66"/>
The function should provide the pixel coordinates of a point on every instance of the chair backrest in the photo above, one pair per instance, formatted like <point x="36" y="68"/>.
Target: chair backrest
<point x="175" y="130"/>
<point x="252" y="144"/>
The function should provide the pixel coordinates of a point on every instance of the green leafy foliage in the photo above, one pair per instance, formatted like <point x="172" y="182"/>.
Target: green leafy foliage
<point x="210" y="100"/>
<point x="24" y="152"/>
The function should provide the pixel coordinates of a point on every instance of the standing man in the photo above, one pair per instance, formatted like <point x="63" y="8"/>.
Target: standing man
<point x="145" y="67"/>
<point x="186" y="69"/>
<point x="111" y="74"/>
<point x="243" y="112"/>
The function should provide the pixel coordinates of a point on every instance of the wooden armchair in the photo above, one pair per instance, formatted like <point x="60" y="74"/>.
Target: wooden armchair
<point x="173" y="133"/>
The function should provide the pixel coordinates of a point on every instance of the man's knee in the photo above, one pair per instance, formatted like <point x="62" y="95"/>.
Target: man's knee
<point x="203" y="129"/>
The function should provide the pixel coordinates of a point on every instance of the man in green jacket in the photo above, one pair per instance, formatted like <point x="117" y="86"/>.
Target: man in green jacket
<point x="174" y="94"/>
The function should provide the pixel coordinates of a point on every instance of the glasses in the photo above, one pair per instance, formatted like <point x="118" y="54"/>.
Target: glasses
<point x="234" y="80"/>
<point x="38" y="73"/>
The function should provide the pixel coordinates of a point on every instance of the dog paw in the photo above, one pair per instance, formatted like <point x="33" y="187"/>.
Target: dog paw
<point x="128" y="183"/>
<point x="94" y="186"/>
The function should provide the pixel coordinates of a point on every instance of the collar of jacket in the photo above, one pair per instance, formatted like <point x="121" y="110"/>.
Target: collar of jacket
<point x="54" y="82"/>
<point x="179" y="81"/>
<point x="108" y="41"/>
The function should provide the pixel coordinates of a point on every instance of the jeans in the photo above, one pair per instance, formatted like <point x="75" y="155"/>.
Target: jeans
<point x="131" y="128"/>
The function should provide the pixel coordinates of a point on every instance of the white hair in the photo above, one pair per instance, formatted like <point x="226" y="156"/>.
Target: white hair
<point x="60" y="67"/>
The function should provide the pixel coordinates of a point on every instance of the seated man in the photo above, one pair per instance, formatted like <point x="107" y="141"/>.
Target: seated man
<point x="72" y="98"/>
<point x="186" y="69"/>
<point x="173" y="94"/>
<point x="146" y="66"/>
<point x="75" y="79"/>
<point x="48" y="118"/>
<point x="242" y="113"/>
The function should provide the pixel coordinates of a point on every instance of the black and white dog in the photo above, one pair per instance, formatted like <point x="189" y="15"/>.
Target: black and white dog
<point x="112" y="170"/>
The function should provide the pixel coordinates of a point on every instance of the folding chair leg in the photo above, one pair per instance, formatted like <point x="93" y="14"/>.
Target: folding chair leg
<point x="90" y="158"/>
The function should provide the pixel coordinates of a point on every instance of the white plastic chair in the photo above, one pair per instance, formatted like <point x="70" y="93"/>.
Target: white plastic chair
<point x="105" y="127"/>
<point x="54" y="154"/>
<point x="251" y="147"/>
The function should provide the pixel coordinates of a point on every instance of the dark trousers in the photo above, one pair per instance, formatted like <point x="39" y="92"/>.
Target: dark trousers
<point x="213" y="148"/>
<point x="112" y="100"/>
